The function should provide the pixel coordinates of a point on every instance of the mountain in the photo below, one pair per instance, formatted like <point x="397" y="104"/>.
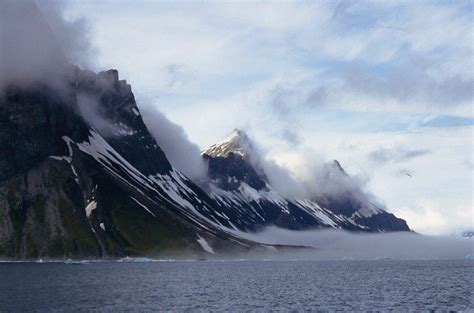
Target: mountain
<point x="81" y="176"/>
<point x="249" y="202"/>
<point x="77" y="184"/>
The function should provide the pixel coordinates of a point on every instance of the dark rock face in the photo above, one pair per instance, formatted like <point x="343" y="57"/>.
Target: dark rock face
<point x="80" y="176"/>
<point x="384" y="221"/>
<point x="29" y="130"/>
<point x="120" y="121"/>
<point x="231" y="170"/>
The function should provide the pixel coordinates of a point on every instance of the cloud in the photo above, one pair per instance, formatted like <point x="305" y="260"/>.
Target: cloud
<point x="175" y="76"/>
<point x="446" y="121"/>
<point x="282" y="180"/>
<point x="36" y="41"/>
<point x="396" y="154"/>
<point x="180" y="151"/>
<point x="330" y="186"/>
<point x="325" y="182"/>
<point x="281" y="101"/>
<point x="291" y="137"/>
<point x="428" y="217"/>
<point x="317" y="97"/>
<point x="89" y="108"/>
<point x="408" y="81"/>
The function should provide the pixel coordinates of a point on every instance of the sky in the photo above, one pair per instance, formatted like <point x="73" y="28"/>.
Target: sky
<point x="386" y="88"/>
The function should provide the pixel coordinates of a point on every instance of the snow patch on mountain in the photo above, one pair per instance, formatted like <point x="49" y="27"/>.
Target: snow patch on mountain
<point x="205" y="245"/>
<point x="143" y="206"/>
<point x="323" y="215"/>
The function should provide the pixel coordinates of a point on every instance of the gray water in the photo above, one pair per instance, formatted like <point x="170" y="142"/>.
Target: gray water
<point x="397" y="286"/>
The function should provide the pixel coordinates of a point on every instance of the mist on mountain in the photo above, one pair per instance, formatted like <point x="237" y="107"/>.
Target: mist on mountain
<point x="325" y="182"/>
<point x="37" y="42"/>
<point x="182" y="153"/>
<point x="37" y="45"/>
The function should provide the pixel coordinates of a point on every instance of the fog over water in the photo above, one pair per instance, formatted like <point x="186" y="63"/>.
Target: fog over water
<point x="337" y="244"/>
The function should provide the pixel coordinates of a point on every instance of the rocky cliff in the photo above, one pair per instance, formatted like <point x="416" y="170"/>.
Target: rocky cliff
<point x="80" y="176"/>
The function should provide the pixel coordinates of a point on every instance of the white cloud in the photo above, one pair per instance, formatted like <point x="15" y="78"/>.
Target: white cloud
<point x="36" y="41"/>
<point x="427" y="217"/>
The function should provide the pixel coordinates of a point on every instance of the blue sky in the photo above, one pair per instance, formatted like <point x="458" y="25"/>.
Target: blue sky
<point x="313" y="80"/>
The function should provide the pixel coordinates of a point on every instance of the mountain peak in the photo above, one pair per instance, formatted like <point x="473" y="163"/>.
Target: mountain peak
<point x="237" y="135"/>
<point x="238" y="132"/>
<point x="236" y="142"/>
<point x="337" y="166"/>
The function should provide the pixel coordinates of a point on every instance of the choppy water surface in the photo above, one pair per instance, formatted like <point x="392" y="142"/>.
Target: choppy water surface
<point x="239" y="286"/>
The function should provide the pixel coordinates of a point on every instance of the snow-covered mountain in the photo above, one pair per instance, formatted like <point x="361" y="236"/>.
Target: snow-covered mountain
<point x="249" y="202"/>
<point x="80" y="175"/>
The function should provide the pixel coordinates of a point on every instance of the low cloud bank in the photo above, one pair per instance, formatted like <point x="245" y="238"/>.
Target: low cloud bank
<point x="334" y="244"/>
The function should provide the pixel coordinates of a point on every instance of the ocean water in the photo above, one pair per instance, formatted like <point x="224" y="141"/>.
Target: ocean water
<point x="238" y="286"/>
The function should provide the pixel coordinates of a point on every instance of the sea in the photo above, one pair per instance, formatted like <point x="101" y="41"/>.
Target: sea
<point x="238" y="286"/>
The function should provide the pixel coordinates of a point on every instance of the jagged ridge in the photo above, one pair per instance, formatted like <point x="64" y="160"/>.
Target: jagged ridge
<point x="241" y="187"/>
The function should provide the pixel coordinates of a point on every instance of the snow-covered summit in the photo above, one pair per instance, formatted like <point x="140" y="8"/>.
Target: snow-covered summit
<point x="236" y="142"/>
